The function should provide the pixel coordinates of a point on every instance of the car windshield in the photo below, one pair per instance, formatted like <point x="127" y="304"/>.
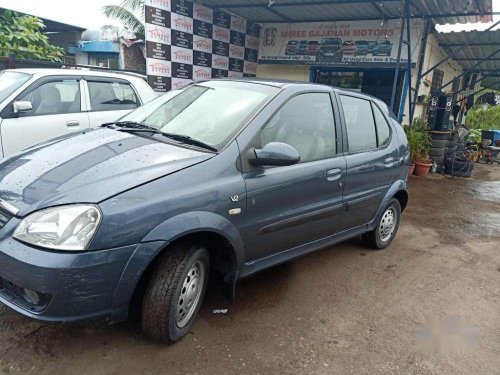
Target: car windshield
<point x="211" y="112"/>
<point x="331" y="41"/>
<point x="361" y="43"/>
<point x="10" y="81"/>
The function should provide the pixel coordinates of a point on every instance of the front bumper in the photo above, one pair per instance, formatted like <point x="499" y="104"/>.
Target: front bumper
<point x="72" y="286"/>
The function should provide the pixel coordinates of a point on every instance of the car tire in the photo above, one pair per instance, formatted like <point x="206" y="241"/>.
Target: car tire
<point x="382" y="235"/>
<point x="438" y="159"/>
<point x="179" y="279"/>
<point x="451" y="151"/>
<point x="437" y="151"/>
<point x="439" y="136"/>
<point x="439" y="143"/>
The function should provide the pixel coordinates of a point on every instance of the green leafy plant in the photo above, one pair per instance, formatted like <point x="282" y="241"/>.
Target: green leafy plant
<point x="485" y="119"/>
<point x="475" y="135"/>
<point x="127" y="12"/>
<point x="418" y="140"/>
<point x="22" y="35"/>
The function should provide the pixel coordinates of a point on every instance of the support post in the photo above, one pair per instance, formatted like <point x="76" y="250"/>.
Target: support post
<point x="423" y="49"/>
<point x="408" y="62"/>
<point x="11" y="61"/>
<point x="398" y="61"/>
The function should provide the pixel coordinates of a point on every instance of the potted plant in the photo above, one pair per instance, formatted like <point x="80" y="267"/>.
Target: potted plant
<point x="419" y="143"/>
<point x="474" y="135"/>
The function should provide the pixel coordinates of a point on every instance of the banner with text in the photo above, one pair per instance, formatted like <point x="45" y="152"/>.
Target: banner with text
<point x="186" y="42"/>
<point x="336" y="43"/>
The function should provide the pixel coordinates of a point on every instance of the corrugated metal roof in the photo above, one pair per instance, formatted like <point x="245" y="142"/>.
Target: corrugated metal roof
<point x="469" y="47"/>
<point x="442" y="11"/>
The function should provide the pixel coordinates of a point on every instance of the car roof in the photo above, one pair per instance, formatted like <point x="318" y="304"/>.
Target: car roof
<point x="76" y="72"/>
<point x="284" y="84"/>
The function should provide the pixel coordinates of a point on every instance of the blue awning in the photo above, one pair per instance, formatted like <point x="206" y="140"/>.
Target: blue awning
<point x="99" y="46"/>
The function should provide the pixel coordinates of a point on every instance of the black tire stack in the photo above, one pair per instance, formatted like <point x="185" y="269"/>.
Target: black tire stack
<point x="452" y="143"/>
<point x="439" y="149"/>
<point x="456" y="163"/>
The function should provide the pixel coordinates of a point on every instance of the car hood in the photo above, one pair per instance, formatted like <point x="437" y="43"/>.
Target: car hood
<point x="88" y="167"/>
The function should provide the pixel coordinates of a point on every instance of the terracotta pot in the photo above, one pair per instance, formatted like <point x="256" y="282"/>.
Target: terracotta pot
<point x="411" y="168"/>
<point x="422" y="169"/>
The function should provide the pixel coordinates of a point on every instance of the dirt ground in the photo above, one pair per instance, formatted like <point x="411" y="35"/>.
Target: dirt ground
<point x="343" y="310"/>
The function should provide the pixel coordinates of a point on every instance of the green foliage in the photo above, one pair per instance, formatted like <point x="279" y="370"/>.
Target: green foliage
<point x="474" y="135"/>
<point x="22" y="35"/>
<point x="126" y="13"/>
<point x="489" y="119"/>
<point x="418" y="140"/>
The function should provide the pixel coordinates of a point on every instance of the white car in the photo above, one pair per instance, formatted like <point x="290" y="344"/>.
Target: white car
<point x="40" y="104"/>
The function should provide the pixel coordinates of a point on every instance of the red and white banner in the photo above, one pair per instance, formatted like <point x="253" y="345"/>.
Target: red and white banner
<point x="187" y="41"/>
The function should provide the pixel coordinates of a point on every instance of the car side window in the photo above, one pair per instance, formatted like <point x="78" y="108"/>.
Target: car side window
<point x="112" y="96"/>
<point x="305" y="122"/>
<point x="361" y="133"/>
<point x="383" y="130"/>
<point x="54" y="97"/>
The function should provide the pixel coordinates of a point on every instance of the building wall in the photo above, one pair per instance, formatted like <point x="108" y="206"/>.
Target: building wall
<point x="289" y="72"/>
<point x="132" y="58"/>
<point x="433" y="54"/>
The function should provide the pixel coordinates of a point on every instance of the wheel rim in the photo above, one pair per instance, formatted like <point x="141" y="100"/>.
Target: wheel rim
<point x="189" y="298"/>
<point x="387" y="225"/>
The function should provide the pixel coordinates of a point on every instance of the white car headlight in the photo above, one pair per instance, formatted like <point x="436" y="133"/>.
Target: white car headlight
<point x="68" y="227"/>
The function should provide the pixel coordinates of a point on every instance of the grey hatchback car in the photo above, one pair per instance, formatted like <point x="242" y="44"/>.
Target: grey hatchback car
<point x="232" y="176"/>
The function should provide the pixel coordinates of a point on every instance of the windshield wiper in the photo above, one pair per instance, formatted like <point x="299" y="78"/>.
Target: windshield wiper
<point x="190" y="141"/>
<point x="131" y="126"/>
<point x="137" y="127"/>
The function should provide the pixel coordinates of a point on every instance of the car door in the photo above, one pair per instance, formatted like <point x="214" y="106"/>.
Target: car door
<point x="372" y="158"/>
<point x="109" y="99"/>
<point x="288" y="206"/>
<point x="56" y="103"/>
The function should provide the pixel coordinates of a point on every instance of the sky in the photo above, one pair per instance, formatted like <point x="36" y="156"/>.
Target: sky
<point x="88" y="13"/>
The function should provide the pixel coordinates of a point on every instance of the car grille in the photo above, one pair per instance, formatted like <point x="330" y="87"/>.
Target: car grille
<point x="5" y="216"/>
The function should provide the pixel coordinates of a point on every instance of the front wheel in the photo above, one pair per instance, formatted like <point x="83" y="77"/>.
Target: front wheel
<point x="175" y="292"/>
<point x="386" y="228"/>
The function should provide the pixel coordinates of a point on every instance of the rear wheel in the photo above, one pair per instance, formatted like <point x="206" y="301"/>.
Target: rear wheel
<point x="386" y="228"/>
<point x="175" y="292"/>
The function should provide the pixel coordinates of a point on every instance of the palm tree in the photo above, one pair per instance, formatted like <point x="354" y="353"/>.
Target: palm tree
<point x="127" y="13"/>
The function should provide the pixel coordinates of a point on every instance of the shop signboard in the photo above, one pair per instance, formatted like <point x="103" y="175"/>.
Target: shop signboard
<point x="336" y="43"/>
<point x="186" y="41"/>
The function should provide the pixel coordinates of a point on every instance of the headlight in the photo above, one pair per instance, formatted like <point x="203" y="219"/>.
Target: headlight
<point x="60" y="228"/>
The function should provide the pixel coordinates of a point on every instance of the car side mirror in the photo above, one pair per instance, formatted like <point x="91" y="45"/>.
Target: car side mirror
<point x="276" y="154"/>
<point x="22" y="106"/>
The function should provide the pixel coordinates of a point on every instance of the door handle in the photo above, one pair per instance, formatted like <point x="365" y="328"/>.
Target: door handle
<point x="73" y="123"/>
<point x="333" y="174"/>
<point x="389" y="162"/>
